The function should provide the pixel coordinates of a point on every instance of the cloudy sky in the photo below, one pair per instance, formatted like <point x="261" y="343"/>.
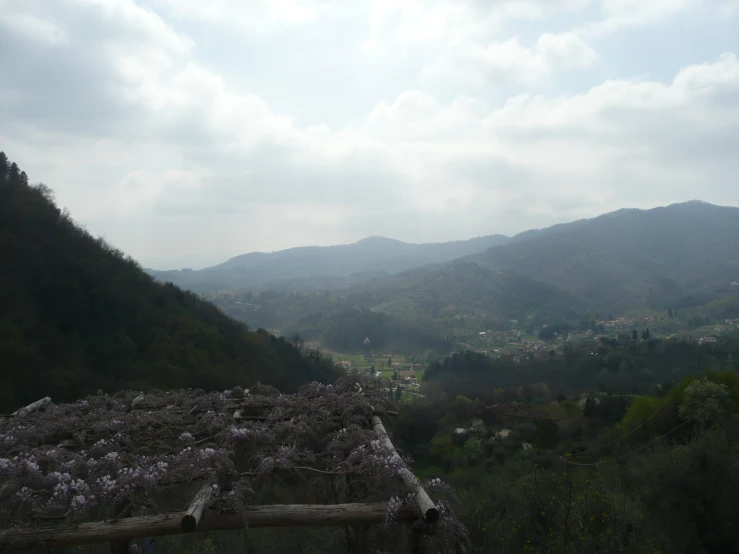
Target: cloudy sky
<point x="190" y="131"/>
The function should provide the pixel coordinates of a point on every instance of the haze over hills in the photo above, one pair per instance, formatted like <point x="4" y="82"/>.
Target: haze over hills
<point x="77" y="315"/>
<point x="318" y="267"/>
<point x="681" y="255"/>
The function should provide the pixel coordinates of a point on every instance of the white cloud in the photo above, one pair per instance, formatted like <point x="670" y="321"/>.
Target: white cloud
<point x="414" y="23"/>
<point x="730" y="8"/>
<point x="618" y="14"/>
<point x="161" y="152"/>
<point x="510" y="61"/>
<point x="255" y="16"/>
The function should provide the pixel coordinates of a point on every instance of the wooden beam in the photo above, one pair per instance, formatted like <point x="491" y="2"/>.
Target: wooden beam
<point x="131" y="528"/>
<point x="195" y="511"/>
<point x="32" y="407"/>
<point x="428" y="509"/>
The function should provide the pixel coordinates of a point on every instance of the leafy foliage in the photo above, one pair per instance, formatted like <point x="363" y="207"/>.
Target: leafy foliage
<point x="613" y="369"/>
<point x="706" y="403"/>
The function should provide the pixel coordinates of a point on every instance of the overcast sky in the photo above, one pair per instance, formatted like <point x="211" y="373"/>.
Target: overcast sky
<point x="190" y="131"/>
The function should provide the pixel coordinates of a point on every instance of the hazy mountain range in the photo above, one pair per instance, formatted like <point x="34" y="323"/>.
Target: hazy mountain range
<point x="319" y="267"/>
<point x="681" y="255"/>
<point x="620" y="259"/>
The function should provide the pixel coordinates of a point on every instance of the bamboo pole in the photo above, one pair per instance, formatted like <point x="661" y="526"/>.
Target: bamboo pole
<point x="195" y="511"/>
<point x="131" y="528"/>
<point x="32" y="407"/>
<point x="428" y="509"/>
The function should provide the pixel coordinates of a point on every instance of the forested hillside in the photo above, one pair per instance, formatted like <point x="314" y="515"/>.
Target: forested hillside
<point x="632" y="258"/>
<point x="416" y="310"/>
<point x="347" y="330"/>
<point x="77" y="315"/>
<point x="680" y="256"/>
<point x="464" y="288"/>
<point x="612" y="448"/>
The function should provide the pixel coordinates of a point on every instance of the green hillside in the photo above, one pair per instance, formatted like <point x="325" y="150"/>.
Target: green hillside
<point x="77" y="315"/>
<point x="681" y="256"/>
<point x="464" y="288"/>
<point x="632" y="258"/>
<point x="346" y="331"/>
<point x="417" y="310"/>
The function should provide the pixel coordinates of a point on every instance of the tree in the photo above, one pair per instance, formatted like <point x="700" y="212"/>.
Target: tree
<point x="4" y="167"/>
<point x="706" y="403"/>
<point x="398" y="393"/>
<point x="669" y="313"/>
<point x="635" y="335"/>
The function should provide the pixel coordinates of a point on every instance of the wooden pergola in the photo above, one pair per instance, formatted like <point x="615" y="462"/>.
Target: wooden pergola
<point x="113" y="469"/>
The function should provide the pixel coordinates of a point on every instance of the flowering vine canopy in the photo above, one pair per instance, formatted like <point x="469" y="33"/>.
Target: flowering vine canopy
<point x="133" y="453"/>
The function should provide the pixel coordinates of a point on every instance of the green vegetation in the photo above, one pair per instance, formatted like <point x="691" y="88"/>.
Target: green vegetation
<point x="582" y="445"/>
<point x="76" y="315"/>
<point x="679" y="256"/>
<point x="425" y="309"/>
<point x="347" y="330"/>
<point x="667" y="260"/>
<point x="579" y="469"/>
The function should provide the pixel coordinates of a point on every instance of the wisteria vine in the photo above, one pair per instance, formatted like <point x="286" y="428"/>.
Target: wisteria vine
<point x="125" y="454"/>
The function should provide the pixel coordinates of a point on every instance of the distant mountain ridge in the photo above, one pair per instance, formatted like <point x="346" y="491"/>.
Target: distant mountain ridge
<point x="681" y="255"/>
<point x="341" y="265"/>
<point x="631" y="257"/>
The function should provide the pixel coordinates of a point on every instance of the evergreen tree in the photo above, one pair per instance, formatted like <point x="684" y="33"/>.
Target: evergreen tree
<point x="4" y="167"/>
<point x="669" y="312"/>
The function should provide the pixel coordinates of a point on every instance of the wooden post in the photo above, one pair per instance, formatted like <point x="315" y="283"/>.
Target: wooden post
<point x="128" y="529"/>
<point x="196" y="509"/>
<point x="122" y="546"/>
<point x="428" y="510"/>
<point x="357" y="535"/>
<point x="419" y="530"/>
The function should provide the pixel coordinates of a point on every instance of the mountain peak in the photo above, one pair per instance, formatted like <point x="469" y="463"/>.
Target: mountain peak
<point x="377" y="239"/>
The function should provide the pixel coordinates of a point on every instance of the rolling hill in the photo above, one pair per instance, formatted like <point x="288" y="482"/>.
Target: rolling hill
<point x="76" y="315"/>
<point x="680" y="256"/>
<point x="630" y="258"/>
<point x="320" y="267"/>
<point x="414" y="311"/>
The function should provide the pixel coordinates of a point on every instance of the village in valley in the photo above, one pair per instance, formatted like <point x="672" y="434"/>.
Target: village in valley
<point x="404" y="373"/>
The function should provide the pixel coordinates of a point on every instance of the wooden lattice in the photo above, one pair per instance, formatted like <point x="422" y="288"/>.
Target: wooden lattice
<point x="115" y="468"/>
